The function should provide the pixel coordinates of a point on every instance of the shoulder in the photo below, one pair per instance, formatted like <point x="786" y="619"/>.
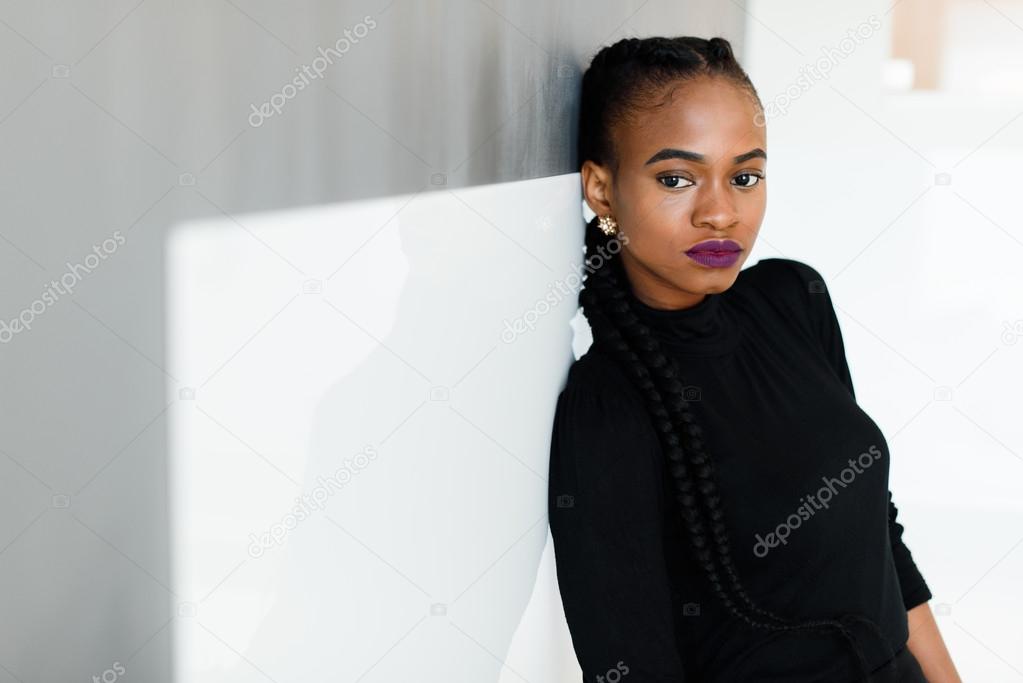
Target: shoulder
<point x="595" y="370"/>
<point x="604" y="447"/>
<point x="598" y="387"/>
<point x="784" y="277"/>
<point x="794" y="289"/>
<point x="600" y="407"/>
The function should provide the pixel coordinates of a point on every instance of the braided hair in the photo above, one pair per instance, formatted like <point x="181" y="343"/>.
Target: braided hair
<point x="630" y="71"/>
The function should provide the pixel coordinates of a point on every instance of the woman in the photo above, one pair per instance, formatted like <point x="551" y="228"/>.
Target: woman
<point x="719" y="502"/>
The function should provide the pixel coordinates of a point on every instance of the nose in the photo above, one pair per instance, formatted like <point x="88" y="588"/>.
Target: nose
<point x="715" y="207"/>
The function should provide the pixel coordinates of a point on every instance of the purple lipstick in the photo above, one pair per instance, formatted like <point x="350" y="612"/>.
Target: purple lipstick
<point x="715" y="253"/>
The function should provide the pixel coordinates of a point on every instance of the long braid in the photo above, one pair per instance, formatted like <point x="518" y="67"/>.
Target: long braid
<point x="626" y="70"/>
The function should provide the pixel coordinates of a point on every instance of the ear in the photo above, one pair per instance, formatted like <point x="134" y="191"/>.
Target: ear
<point x="597" y="188"/>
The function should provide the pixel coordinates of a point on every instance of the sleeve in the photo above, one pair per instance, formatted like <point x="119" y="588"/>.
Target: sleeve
<point x="605" y="509"/>
<point x="822" y="312"/>
<point x="914" y="589"/>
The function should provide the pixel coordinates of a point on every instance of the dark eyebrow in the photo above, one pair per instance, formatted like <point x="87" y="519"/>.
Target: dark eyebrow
<point x="669" y="153"/>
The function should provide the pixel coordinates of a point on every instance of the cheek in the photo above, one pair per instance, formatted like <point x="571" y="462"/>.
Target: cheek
<point x="656" y="223"/>
<point x="661" y="212"/>
<point x="659" y="234"/>
<point x="753" y="211"/>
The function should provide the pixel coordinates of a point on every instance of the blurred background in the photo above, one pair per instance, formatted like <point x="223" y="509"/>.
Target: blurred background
<point x="258" y="263"/>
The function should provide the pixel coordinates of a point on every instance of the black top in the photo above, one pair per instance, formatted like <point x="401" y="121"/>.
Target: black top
<point x="769" y="383"/>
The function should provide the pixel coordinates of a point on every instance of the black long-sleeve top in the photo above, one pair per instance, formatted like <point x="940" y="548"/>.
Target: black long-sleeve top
<point x="770" y="386"/>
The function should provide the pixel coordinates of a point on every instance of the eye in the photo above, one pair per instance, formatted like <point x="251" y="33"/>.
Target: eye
<point x="747" y="177"/>
<point x="746" y="180"/>
<point x="670" y="177"/>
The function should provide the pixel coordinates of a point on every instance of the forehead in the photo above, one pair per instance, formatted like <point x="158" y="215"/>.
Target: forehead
<point x="710" y="116"/>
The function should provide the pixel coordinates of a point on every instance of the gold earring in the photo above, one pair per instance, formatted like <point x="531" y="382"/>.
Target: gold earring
<point x="608" y="225"/>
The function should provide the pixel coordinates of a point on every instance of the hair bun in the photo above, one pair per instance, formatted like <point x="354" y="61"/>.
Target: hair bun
<point x="720" y="48"/>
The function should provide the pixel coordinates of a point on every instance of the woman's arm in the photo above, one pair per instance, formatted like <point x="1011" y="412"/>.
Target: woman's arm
<point x="927" y="646"/>
<point x="605" y="509"/>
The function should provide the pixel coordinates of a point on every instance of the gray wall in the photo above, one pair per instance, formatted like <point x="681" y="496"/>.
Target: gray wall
<point x="121" y="120"/>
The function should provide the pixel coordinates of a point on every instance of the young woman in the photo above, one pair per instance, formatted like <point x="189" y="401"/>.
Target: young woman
<point x="719" y="502"/>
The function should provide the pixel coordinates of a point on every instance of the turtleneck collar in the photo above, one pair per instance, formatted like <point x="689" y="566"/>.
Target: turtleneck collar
<point x="707" y="329"/>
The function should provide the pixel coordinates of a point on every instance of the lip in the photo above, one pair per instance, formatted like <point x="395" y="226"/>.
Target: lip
<point x="715" y="246"/>
<point x="715" y="253"/>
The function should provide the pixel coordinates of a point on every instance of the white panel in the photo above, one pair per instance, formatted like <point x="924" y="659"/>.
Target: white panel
<point x="359" y="439"/>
